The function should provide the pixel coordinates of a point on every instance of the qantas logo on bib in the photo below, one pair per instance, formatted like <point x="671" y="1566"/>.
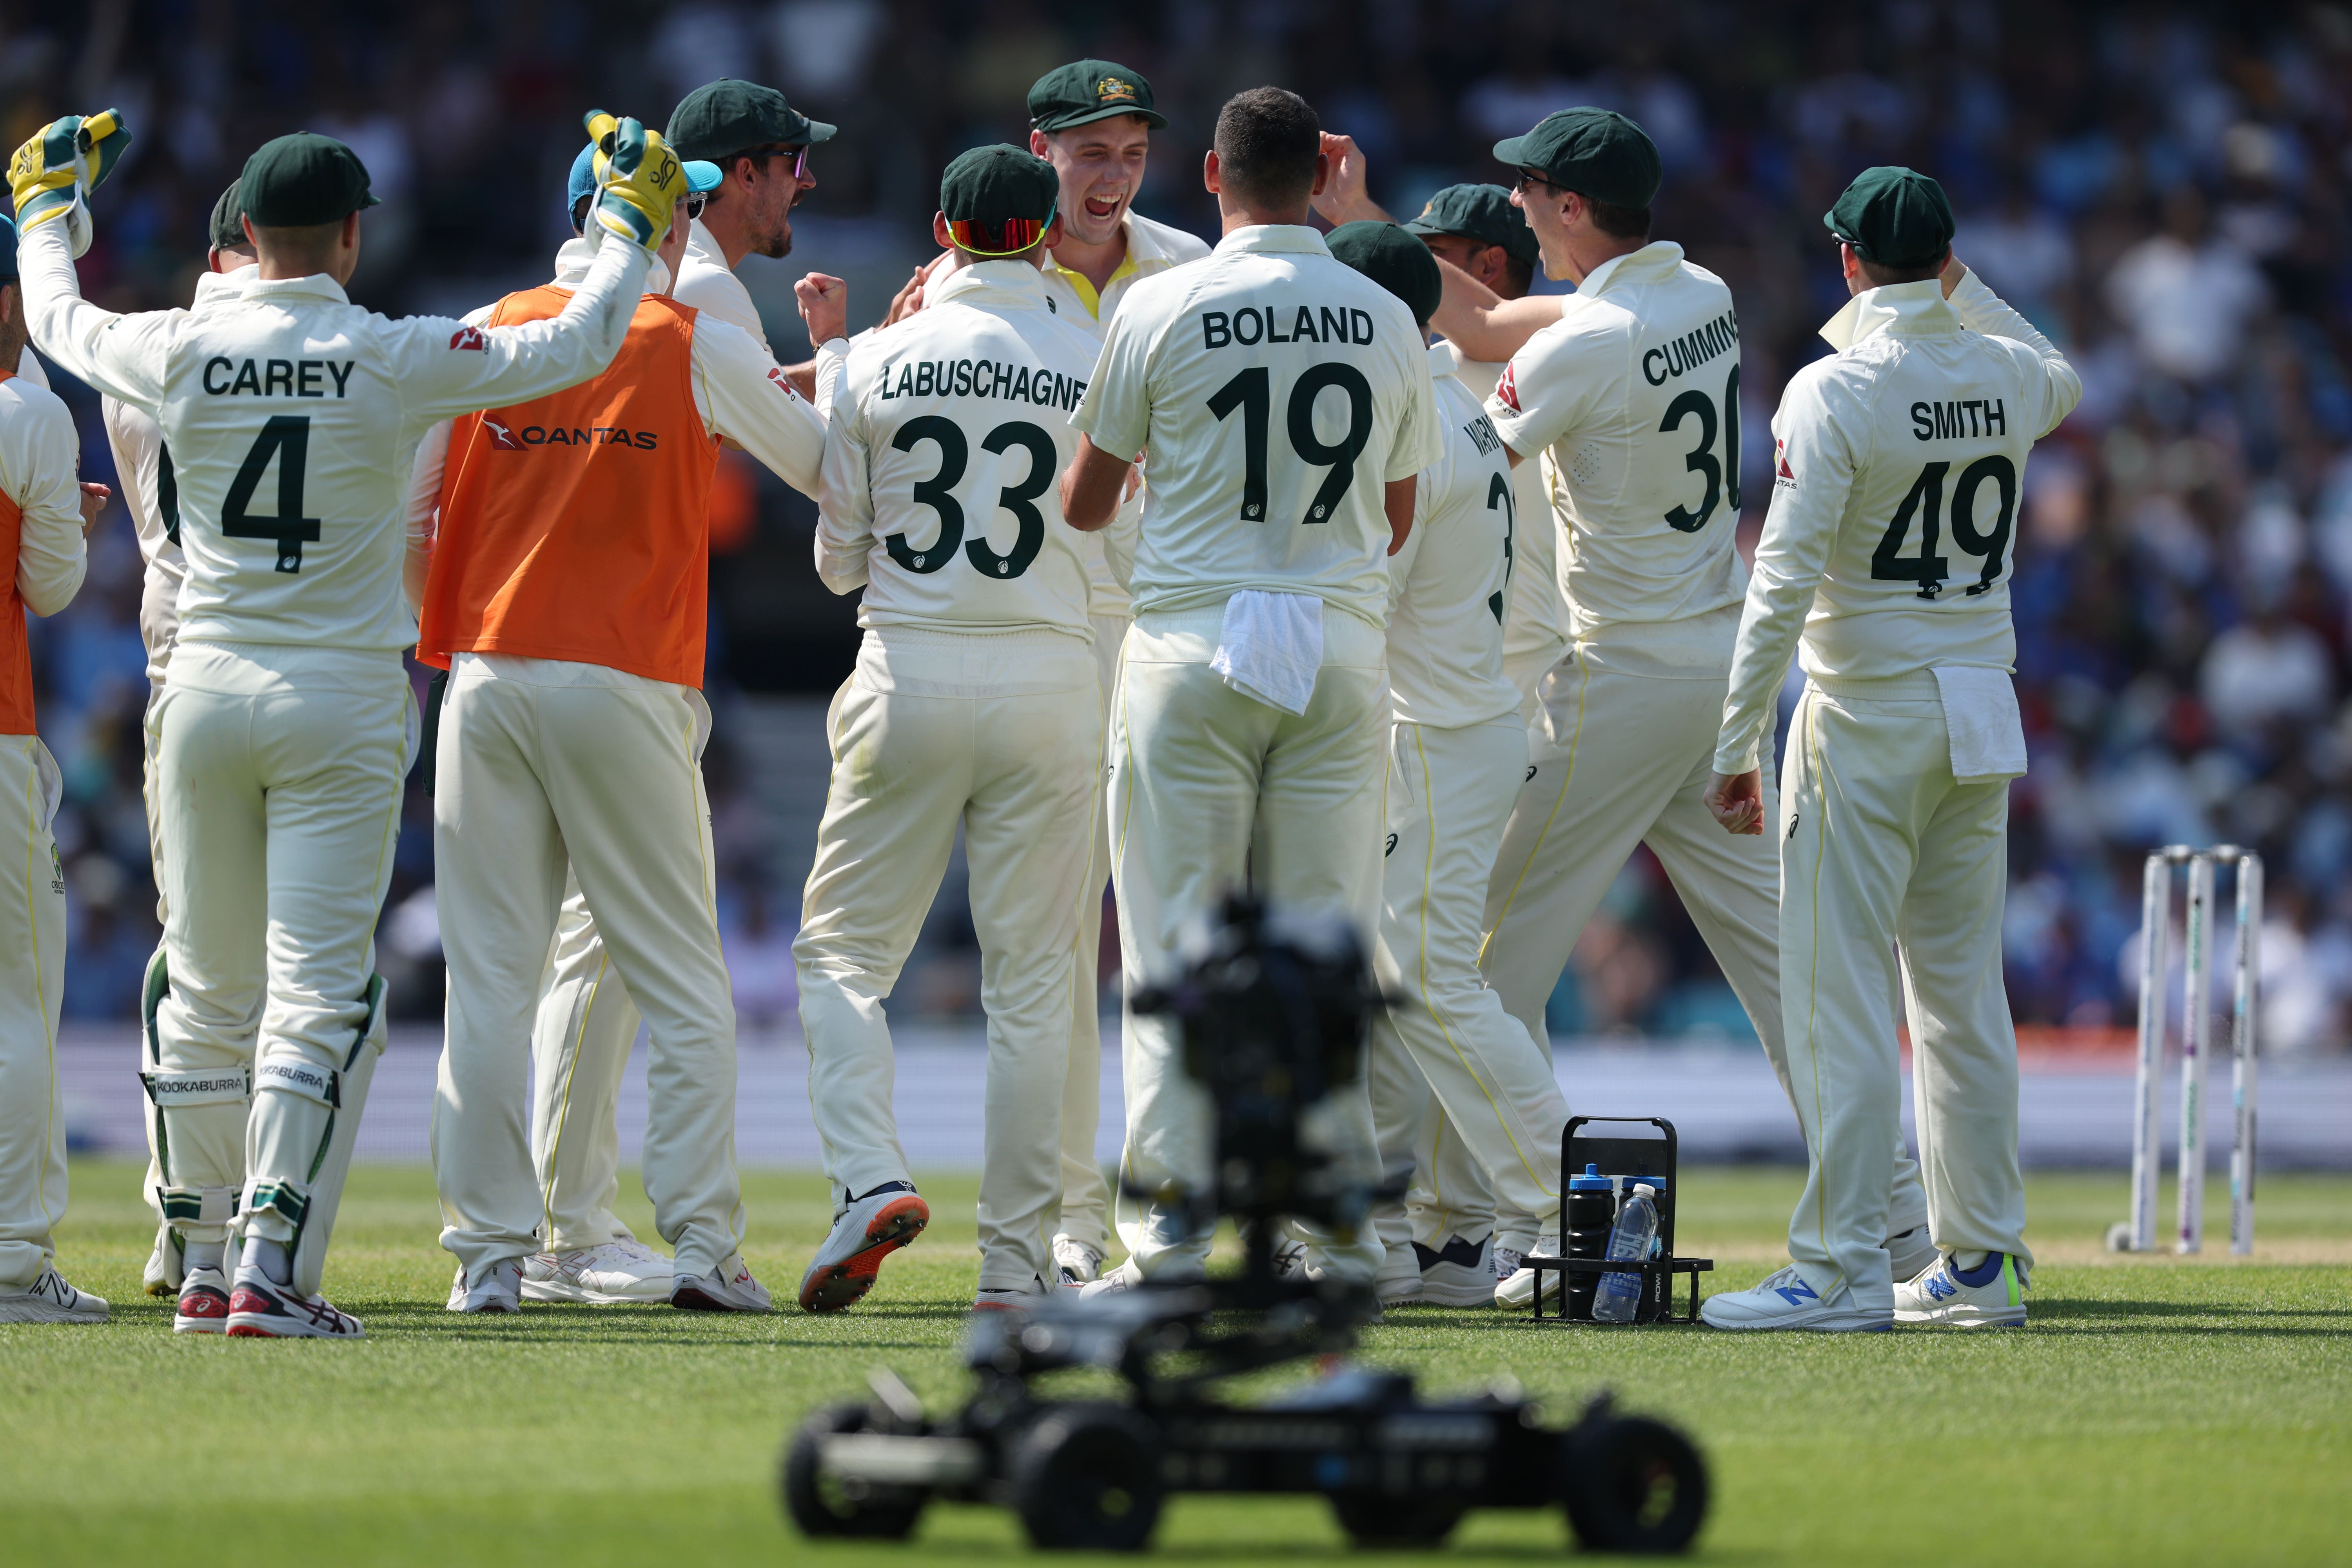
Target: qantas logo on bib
<point x="500" y="436"/>
<point x="1507" y="391"/>
<point x="469" y="338"/>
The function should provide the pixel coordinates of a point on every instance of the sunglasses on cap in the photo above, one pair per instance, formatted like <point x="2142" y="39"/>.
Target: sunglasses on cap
<point x="1010" y="238"/>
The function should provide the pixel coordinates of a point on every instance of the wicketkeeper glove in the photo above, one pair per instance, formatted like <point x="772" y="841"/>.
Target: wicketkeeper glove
<point x="52" y="174"/>
<point x="640" y="180"/>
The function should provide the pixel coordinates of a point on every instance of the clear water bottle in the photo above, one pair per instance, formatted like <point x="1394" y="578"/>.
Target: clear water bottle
<point x="1620" y="1295"/>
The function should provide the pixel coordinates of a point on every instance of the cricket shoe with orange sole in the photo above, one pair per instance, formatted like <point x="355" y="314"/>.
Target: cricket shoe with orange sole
<point x="869" y="1230"/>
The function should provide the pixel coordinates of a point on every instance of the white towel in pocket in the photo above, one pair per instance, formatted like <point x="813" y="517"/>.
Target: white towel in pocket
<point x="1980" y="718"/>
<point x="1271" y="647"/>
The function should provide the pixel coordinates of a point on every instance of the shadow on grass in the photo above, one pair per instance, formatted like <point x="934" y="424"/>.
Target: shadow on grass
<point x="2108" y="1316"/>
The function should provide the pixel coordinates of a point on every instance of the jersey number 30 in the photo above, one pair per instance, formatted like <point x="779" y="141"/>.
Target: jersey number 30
<point x="286" y="437"/>
<point x="1701" y="459"/>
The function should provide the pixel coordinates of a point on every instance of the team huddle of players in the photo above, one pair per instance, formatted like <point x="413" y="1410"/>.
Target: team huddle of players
<point x="1188" y="568"/>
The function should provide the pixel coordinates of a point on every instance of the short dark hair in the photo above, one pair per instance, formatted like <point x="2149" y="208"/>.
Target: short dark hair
<point x="1620" y="223"/>
<point x="1881" y="277"/>
<point x="1520" y="275"/>
<point x="1268" y="140"/>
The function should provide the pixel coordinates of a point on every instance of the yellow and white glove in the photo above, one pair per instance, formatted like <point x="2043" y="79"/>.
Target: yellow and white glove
<point x="639" y="179"/>
<point x="52" y="174"/>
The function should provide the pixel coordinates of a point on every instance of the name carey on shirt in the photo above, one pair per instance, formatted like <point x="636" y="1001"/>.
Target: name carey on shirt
<point x="225" y="377"/>
<point x="1253" y="324"/>
<point x="980" y="378"/>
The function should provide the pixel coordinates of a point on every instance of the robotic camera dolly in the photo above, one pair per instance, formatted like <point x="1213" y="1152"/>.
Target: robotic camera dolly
<point x="1275" y="1014"/>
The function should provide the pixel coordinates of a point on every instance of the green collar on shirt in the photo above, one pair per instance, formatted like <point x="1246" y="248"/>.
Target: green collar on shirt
<point x="1908" y="309"/>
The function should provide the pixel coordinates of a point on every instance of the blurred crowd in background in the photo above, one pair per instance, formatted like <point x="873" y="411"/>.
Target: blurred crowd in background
<point x="2163" y="189"/>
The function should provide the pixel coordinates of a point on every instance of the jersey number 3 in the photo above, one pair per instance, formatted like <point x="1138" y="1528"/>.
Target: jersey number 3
<point x="286" y="437"/>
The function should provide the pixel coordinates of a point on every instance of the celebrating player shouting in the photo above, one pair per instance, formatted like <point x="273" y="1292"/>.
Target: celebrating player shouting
<point x="292" y="417"/>
<point x="1286" y="403"/>
<point x="973" y="701"/>
<point x="1897" y="468"/>
<point x="1092" y="121"/>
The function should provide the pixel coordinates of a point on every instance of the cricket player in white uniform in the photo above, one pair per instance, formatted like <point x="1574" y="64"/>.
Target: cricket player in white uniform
<point x="1287" y="405"/>
<point x="287" y="726"/>
<point x="587" y="1021"/>
<point x="974" y="702"/>
<point x="1898" y="465"/>
<point x="1092" y="121"/>
<point x="1456" y="750"/>
<point x="151" y="494"/>
<point x="44" y="515"/>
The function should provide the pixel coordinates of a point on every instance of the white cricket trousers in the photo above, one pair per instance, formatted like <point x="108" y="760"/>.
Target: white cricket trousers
<point x="1882" y="852"/>
<point x="1003" y="734"/>
<point x="1086" y="1214"/>
<point x="546" y="769"/>
<point x="580" y="1044"/>
<point x="280" y="770"/>
<point x="32" y="985"/>
<point x="1212" y="791"/>
<point x="1616" y="760"/>
<point x="1455" y="1078"/>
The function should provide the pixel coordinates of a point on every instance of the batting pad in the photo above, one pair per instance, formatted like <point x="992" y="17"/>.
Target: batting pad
<point x="309" y="1122"/>
<point x="195" y="1130"/>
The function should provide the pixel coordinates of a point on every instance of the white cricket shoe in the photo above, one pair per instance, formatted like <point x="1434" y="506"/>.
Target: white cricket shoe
<point x="1911" y="1252"/>
<point x="1785" y="1302"/>
<point x="869" y="1230"/>
<point x="1012" y="1298"/>
<point x="203" y="1307"/>
<point x="49" y="1300"/>
<point x="1515" y="1283"/>
<point x="1459" y="1273"/>
<point x="496" y="1289"/>
<point x="1399" y="1277"/>
<point x="1077" y="1262"/>
<point x="1989" y="1296"/>
<point x="728" y="1288"/>
<point x="1126" y="1277"/>
<point x="614" y="1274"/>
<point x="260" y="1308"/>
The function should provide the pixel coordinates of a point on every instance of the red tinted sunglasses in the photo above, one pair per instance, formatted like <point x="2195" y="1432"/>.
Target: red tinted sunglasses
<point x="1010" y="237"/>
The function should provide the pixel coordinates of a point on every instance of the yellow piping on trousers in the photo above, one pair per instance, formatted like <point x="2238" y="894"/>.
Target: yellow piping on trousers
<point x="1575" y="736"/>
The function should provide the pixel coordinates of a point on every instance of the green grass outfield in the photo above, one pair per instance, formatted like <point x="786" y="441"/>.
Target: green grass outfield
<point x="2156" y="1411"/>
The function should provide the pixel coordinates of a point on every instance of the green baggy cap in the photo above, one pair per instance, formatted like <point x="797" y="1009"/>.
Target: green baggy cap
<point x="723" y="118"/>
<point x="228" y="230"/>
<point x="995" y="187"/>
<point x="1396" y="260"/>
<point x="1596" y="152"/>
<point x="1086" y="91"/>
<point x="300" y="179"/>
<point x="1893" y="216"/>
<point x="1483" y="213"/>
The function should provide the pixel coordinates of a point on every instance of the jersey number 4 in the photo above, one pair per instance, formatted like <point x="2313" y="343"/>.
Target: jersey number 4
<point x="1701" y="459"/>
<point x="938" y="492"/>
<point x="1251" y="391"/>
<point x="1926" y="502"/>
<point x="287" y="438"/>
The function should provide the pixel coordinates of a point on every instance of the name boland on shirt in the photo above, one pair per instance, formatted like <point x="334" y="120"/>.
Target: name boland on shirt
<point x="949" y="438"/>
<point x="1277" y="390"/>
<point x="1635" y="392"/>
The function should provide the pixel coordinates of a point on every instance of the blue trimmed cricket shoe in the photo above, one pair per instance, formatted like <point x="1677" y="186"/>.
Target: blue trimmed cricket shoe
<point x="1989" y="1296"/>
<point x="1785" y="1302"/>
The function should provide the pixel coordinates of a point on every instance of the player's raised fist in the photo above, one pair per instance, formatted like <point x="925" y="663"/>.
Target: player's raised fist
<point x="52" y="176"/>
